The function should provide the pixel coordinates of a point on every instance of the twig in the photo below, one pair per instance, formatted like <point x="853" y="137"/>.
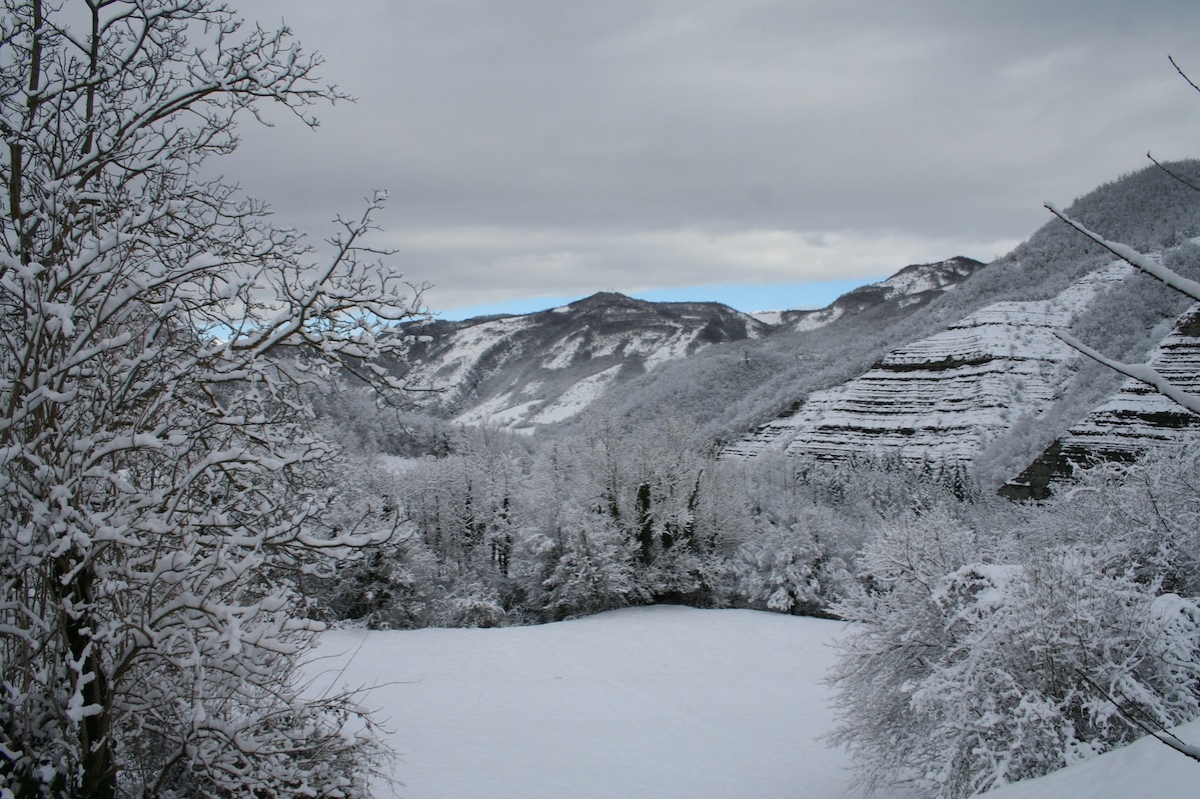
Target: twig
<point x="1163" y="736"/>
<point x="1184" y="181"/>
<point x="1183" y="74"/>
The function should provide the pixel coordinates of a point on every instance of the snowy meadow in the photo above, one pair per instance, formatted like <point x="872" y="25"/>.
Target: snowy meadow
<point x="660" y="701"/>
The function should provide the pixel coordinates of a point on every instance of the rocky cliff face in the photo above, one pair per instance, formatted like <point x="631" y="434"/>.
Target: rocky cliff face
<point x="945" y="397"/>
<point x="1130" y="422"/>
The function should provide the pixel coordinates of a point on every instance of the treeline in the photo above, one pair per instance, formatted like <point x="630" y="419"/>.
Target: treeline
<point x="508" y="530"/>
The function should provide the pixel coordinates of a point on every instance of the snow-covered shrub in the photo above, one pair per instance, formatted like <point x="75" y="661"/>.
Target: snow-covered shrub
<point x="589" y="572"/>
<point x="979" y="662"/>
<point x="470" y="604"/>
<point x="1145" y="514"/>
<point x="794" y="564"/>
<point x="779" y="572"/>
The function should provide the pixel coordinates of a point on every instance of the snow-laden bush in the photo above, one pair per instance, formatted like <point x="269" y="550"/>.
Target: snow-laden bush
<point x="1145" y="513"/>
<point x="983" y="659"/>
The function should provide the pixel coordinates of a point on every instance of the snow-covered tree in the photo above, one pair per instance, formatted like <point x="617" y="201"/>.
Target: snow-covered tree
<point x="162" y="484"/>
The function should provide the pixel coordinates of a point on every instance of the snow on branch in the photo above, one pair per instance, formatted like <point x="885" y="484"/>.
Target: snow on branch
<point x="1131" y="712"/>
<point x="1126" y="253"/>
<point x="1138" y="371"/>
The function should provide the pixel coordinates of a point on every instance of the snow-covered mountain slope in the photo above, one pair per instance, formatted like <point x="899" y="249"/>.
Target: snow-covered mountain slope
<point x="912" y="285"/>
<point x="524" y="372"/>
<point x="1134" y="419"/>
<point x="1137" y="417"/>
<point x="944" y="397"/>
<point x="541" y="368"/>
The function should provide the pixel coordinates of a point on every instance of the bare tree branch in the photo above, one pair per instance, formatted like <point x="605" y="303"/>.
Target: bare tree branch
<point x="1183" y="74"/>
<point x="1131" y="713"/>
<point x="1177" y="177"/>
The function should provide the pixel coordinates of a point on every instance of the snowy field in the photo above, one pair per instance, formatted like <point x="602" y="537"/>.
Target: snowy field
<point x="656" y="702"/>
<point x="645" y="703"/>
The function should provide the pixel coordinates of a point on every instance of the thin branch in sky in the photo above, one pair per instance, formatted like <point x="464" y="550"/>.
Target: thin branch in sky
<point x="1183" y="74"/>
<point x="1182" y="180"/>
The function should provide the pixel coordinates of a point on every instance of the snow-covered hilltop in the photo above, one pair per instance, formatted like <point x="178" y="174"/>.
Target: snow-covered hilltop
<point x="913" y="285"/>
<point x="542" y="368"/>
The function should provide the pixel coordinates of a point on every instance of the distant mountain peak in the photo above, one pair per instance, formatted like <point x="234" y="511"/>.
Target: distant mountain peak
<point x="916" y="284"/>
<point x="546" y="367"/>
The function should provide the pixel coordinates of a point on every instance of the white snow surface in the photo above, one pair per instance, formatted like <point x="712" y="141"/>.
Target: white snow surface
<point x="773" y="318"/>
<point x="818" y="319"/>
<point x="577" y="398"/>
<point x="470" y="344"/>
<point x="913" y="282"/>
<point x="658" y="702"/>
<point x="646" y="703"/>
<point x="395" y="464"/>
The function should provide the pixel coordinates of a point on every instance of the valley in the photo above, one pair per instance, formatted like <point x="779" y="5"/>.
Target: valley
<point x="857" y="462"/>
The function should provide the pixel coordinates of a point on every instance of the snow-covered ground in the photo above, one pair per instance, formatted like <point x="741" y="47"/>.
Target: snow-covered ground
<point x="646" y="703"/>
<point x="656" y="702"/>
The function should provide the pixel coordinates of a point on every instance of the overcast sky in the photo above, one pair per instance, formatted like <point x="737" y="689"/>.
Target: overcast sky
<point x="542" y="150"/>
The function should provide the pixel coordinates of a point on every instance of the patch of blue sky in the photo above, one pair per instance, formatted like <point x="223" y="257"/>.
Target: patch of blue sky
<point x="745" y="298"/>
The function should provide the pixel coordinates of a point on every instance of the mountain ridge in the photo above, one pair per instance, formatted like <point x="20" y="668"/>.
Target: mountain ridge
<point x="526" y="371"/>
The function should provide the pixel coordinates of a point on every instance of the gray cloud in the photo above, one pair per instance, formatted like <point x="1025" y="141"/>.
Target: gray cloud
<point x="538" y="148"/>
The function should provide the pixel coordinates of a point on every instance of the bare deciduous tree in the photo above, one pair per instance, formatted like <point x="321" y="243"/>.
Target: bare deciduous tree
<point x="162" y="484"/>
